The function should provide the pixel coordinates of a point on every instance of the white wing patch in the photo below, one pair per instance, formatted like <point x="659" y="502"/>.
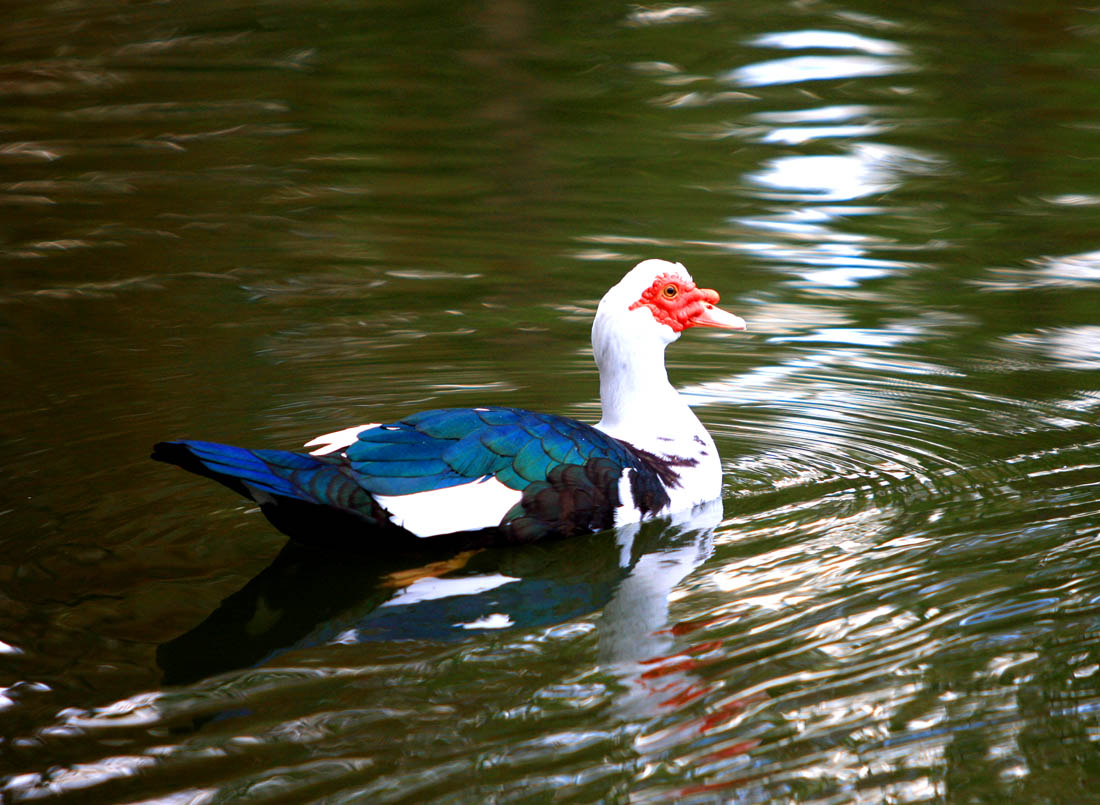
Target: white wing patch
<point x="467" y="507"/>
<point x="338" y="440"/>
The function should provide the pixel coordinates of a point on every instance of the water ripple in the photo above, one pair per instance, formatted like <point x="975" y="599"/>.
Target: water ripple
<point x="897" y="599"/>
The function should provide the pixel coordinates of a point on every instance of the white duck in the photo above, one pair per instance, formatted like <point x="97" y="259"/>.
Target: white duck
<point x="493" y="475"/>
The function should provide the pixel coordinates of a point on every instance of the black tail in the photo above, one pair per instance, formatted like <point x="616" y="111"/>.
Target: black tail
<point x="310" y="499"/>
<point x="179" y="453"/>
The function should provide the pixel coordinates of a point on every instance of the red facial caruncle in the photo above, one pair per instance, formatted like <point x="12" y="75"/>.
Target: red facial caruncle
<point x="679" y="304"/>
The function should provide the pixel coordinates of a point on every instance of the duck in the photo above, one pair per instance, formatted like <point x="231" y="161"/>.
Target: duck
<point x="496" y="475"/>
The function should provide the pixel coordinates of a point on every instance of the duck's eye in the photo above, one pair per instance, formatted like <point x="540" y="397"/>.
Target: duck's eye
<point x="670" y="291"/>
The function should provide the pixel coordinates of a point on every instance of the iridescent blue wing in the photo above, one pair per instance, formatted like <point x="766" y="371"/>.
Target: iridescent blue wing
<point x="452" y="446"/>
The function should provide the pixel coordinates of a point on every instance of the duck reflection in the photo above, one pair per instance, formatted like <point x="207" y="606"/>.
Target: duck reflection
<point x="305" y="598"/>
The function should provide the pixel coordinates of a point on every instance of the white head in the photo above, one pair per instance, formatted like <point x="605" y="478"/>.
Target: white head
<point x="660" y="300"/>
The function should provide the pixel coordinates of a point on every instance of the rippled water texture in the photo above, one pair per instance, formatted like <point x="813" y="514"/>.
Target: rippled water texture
<point x="260" y="224"/>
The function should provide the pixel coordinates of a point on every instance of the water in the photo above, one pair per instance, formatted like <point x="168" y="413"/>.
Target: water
<point x="260" y="224"/>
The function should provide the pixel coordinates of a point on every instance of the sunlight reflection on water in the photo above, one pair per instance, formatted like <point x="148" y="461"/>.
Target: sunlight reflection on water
<point x="868" y="169"/>
<point x="814" y="68"/>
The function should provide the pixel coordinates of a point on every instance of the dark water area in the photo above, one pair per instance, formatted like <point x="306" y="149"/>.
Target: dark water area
<point x="259" y="223"/>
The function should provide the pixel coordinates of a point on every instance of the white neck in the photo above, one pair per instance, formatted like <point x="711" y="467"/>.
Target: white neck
<point x="634" y="390"/>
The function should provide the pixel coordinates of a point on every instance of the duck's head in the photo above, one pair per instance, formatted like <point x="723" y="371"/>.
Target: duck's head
<point x="660" y="299"/>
